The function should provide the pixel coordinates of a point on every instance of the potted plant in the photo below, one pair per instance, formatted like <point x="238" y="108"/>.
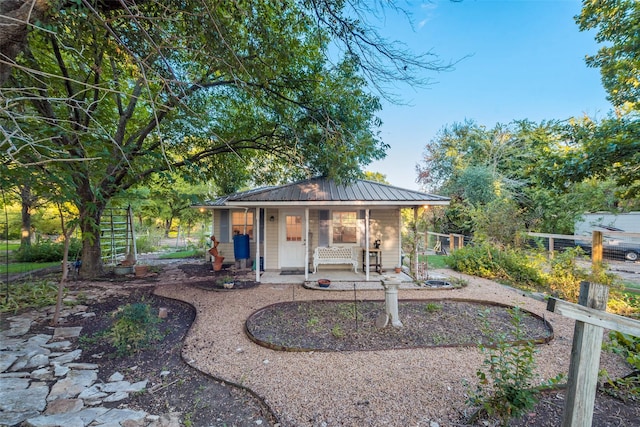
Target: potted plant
<point x="227" y="282"/>
<point x="398" y="268"/>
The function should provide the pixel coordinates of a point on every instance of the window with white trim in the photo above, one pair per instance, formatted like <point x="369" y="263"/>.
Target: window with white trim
<point x="238" y="223"/>
<point x="344" y="225"/>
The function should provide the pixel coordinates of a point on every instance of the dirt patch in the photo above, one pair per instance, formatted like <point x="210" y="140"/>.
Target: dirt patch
<point x="349" y="326"/>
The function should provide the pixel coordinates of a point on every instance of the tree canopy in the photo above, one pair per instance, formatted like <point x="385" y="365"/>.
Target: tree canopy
<point x="101" y="95"/>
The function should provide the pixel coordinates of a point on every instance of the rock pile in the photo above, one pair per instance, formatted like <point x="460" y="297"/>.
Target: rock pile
<point x="41" y="385"/>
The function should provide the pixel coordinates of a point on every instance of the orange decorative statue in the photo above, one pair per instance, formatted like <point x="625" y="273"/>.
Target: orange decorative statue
<point x="217" y="258"/>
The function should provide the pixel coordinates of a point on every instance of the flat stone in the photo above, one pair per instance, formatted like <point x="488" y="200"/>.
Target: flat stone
<point x="92" y="393"/>
<point x="68" y="357"/>
<point x="115" y="377"/>
<point x="60" y="371"/>
<point x="121" y="415"/>
<point x="83" y="377"/>
<point x="88" y="315"/>
<point x="18" y="326"/>
<point x="64" y="406"/>
<point x="125" y="386"/>
<point x="14" y="418"/>
<point x="76" y="419"/>
<point x="24" y="400"/>
<point x="8" y="384"/>
<point x="42" y="374"/>
<point x="37" y="361"/>
<point x="67" y="332"/>
<point x="58" y="345"/>
<point x="65" y="389"/>
<point x="117" y="396"/>
<point x="40" y="340"/>
<point x="15" y="375"/>
<point x="6" y="360"/>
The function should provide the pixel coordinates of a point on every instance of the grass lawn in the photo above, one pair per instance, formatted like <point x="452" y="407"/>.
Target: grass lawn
<point x="182" y="254"/>
<point x="434" y="261"/>
<point x="23" y="267"/>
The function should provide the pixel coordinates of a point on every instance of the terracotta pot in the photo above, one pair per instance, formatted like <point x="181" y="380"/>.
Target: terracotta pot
<point x="141" y="270"/>
<point x="398" y="269"/>
<point x="217" y="266"/>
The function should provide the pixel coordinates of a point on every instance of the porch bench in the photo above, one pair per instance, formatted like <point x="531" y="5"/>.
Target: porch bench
<point x="334" y="255"/>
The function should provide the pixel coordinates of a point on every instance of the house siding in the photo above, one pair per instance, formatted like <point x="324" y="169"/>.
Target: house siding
<point x="384" y="225"/>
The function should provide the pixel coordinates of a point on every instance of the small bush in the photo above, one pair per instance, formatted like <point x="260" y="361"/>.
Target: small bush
<point x="628" y="347"/>
<point x="135" y="329"/>
<point x="508" y="265"/>
<point x="505" y="386"/>
<point x="47" y="251"/>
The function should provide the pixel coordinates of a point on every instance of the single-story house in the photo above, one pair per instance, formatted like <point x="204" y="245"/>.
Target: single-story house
<point x="316" y="224"/>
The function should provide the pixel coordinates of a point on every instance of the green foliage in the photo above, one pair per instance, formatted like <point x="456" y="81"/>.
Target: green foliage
<point x="47" y="251"/>
<point x="135" y="328"/>
<point x="510" y="265"/>
<point x="432" y="307"/>
<point x="499" y="222"/>
<point x="616" y="23"/>
<point x="627" y="346"/>
<point x="28" y="295"/>
<point x="566" y="275"/>
<point x="190" y="253"/>
<point x="505" y="386"/>
<point x="337" y="331"/>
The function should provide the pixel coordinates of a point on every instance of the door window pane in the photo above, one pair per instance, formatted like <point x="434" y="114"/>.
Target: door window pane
<point x="294" y="228"/>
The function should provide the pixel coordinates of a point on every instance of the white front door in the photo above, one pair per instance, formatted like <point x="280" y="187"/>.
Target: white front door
<point x="293" y="239"/>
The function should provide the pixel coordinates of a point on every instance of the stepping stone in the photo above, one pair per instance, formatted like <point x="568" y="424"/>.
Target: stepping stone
<point x="67" y="332"/>
<point x="64" y="406"/>
<point x="120" y="416"/>
<point x="67" y="357"/>
<point x="76" y="419"/>
<point x="24" y="400"/>
<point x="6" y="360"/>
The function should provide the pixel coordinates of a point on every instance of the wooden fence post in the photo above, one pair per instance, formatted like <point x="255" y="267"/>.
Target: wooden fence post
<point x="585" y="360"/>
<point x="596" y="250"/>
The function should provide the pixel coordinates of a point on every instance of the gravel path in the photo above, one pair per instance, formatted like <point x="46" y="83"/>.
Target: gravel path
<point x="417" y="387"/>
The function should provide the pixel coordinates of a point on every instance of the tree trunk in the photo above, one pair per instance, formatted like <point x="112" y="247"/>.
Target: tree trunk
<point x="91" y="253"/>
<point x="26" y="199"/>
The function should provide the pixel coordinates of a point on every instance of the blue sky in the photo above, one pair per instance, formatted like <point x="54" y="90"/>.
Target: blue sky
<point x="524" y="60"/>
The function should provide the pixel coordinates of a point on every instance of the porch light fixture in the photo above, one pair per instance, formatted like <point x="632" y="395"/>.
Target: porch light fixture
<point x="272" y="218"/>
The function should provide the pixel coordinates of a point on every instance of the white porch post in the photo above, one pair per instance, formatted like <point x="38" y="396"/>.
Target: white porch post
<point x="366" y="243"/>
<point x="306" y="244"/>
<point x="415" y="234"/>
<point x="399" y="237"/>
<point x="256" y="262"/>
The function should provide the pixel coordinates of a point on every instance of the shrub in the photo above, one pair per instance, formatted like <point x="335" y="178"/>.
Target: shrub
<point x="627" y="346"/>
<point x="135" y="328"/>
<point x="47" y="251"/>
<point x="505" y="387"/>
<point x="565" y="276"/>
<point x="508" y="265"/>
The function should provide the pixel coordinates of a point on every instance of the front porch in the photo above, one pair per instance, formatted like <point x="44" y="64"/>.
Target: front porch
<point x="341" y="279"/>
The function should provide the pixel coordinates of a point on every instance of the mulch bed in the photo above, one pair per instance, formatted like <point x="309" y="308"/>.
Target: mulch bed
<point x="173" y="385"/>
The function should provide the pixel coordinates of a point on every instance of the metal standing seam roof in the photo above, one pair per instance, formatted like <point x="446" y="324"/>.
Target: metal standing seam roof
<point x="321" y="190"/>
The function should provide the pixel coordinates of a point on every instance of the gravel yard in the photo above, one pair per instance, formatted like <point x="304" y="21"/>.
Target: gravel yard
<point x="411" y="387"/>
